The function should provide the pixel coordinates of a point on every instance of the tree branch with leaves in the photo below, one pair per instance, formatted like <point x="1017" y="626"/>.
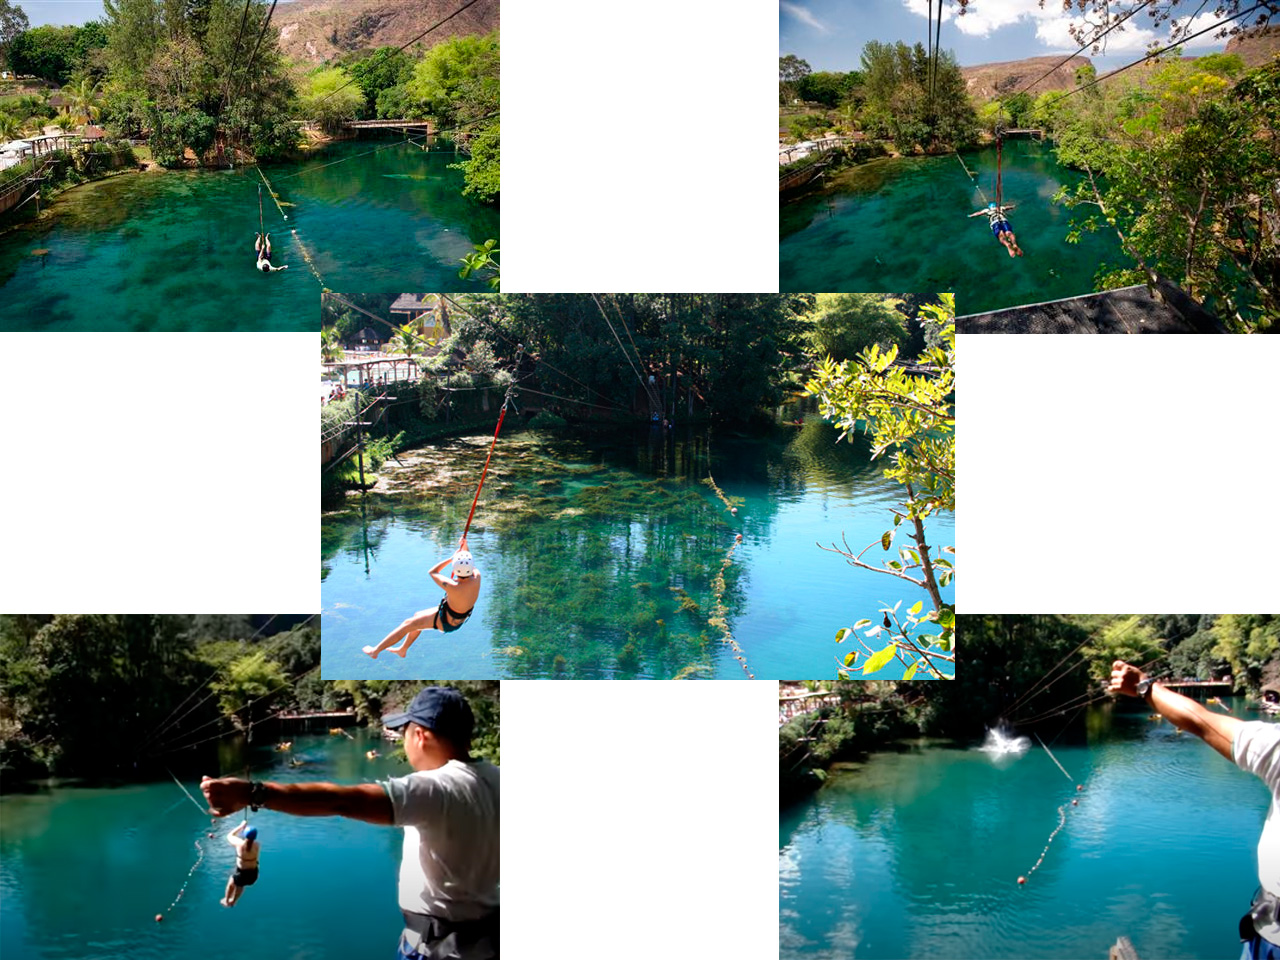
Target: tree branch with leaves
<point x="908" y="411"/>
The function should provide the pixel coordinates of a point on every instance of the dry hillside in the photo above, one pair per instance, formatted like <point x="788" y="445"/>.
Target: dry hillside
<point x="320" y="30"/>
<point x="1258" y="49"/>
<point x="988" y="80"/>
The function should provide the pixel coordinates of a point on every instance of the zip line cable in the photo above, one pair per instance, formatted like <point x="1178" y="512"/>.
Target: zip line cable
<point x="162" y="724"/>
<point x="167" y="725"/>
<point x="186" y="791"/>
<point x="652" y="394"/>
<point x="1091" y="42"/>
<point x="167" y="746"/>
<point x="1053" y="669"/>
<point x="1150" y="56"/>
<point x="262" y="33"/>
<point x="537" y="360"/>
<point x="619" y="339"/>
<point x="235" y="50"/>
<point x="1054" y="759"/>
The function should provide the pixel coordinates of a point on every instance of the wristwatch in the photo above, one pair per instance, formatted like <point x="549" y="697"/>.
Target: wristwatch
<point x="1144" y="688"/>
<point x="257" y="795"/>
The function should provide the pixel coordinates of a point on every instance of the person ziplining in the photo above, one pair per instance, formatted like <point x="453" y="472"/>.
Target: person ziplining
<point x="995" y="210"/>
<point x="262" y="244"/>
<point x="461" y="590"/>
<point x="1000" y="226"/>
<point x="462" y="587"/>
<point x="262" y="247"/>
<point x="245" y="840"/>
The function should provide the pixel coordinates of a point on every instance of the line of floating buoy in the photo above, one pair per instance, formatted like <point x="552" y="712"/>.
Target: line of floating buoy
<point x="306" y="255"/>
<point x="1062" y="822"/>
<point x="183" y="889"/>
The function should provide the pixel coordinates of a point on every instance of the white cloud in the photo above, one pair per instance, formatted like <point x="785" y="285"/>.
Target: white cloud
<point x="1052" y="26"/>
<point x="797" y="12"/>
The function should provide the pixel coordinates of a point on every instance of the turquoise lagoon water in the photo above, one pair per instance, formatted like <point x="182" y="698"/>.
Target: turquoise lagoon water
<point x="599" y="556"/>
<point x="917" y="853"/>
<point x="902" y="225"/>
<point x="84" y="870"/>
<point x="174" y="251"/>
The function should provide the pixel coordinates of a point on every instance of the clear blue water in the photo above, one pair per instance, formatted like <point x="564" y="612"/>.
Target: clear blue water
<point x="902" y="224"/>
<point x="84" y="871"/>
<point x="599" y="555"/>
<point x="174" y="251"/>
<point x="917" y="854"/>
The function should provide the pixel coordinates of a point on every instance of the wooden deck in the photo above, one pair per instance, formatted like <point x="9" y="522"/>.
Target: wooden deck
<point x="423" y="125"/>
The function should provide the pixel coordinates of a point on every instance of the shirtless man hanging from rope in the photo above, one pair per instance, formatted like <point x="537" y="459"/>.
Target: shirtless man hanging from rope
<point x="460" y="593"/>
<point x="1001" y="226"/>
<point x="262" y="247"/>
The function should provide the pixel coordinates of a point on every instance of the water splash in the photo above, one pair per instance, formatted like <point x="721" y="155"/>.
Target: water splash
<point x="999" y="744"/>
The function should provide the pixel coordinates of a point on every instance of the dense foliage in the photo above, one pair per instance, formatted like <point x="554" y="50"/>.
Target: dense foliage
<point x="84" y="695"/>
<point x="56" y="54"/>
<point x="910" y="415"/>
<point x="1184" y="168"/>
<point x="457" y="82"/>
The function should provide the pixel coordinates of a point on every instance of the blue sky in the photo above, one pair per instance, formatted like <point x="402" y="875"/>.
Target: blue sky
<point x="829" y="34"/>
<point x="61" y="12"/>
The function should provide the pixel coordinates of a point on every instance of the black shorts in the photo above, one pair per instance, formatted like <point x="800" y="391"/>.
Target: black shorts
<point x="245" y="877"/>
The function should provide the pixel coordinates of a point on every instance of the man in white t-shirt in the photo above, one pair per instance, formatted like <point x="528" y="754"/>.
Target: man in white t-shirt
<point x="448" y="808"/>
<point x="1252" y="746"/>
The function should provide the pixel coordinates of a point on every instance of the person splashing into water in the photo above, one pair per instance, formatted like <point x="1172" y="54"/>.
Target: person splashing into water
<point x="262" y="247"/>
<point x="246" y="871"/>
<point x="1001" y="226"/>
<point x="460" y="593"/>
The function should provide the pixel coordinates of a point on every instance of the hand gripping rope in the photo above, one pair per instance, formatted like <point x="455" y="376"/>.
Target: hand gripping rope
<point x="505" y="401"/>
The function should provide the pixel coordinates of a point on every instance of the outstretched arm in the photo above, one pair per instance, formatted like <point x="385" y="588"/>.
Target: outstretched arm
<point x="979" y="213"/>
<point x="366" y="801"/>
<point x="1215" y="729"/>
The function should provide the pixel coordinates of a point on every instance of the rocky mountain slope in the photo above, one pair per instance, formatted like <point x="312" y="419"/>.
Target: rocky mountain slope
<point x="320" y="30"/>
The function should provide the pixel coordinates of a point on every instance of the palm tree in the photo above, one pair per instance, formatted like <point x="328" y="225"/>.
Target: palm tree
<point x="10" y="128"/>
<point x="330" y="345"/>
<point x="81" y="94"/>
<point x="406" y="340"/>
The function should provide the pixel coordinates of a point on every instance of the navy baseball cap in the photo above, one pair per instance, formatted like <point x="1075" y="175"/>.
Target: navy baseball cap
<point x="442" y="710"/>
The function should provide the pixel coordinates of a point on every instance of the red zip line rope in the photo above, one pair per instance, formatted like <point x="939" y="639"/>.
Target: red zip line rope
<point x="501" y="416"/>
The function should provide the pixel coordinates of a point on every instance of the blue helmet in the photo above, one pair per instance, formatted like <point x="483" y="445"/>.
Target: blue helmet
<point x="251" y="833"/>
<point x="991" y="206"/>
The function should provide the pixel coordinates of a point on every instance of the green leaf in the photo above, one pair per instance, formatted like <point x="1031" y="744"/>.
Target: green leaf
<point x="885" y="539"/>
<point x="947" y="617"/>
<point x="850" y="657"/>
<point x="895" y="564"/>
<point x="911" y="671"/>
<point x="840" y="634"/>
<point x="919" y="605"/>
<point x="860" y="624"/>
<point x="877" y="660"/>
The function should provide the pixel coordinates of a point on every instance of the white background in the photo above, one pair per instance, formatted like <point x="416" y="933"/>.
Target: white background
<point x="1097" y="474"/>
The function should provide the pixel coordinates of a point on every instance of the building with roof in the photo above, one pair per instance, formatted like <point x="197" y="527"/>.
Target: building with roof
<point x="1166" y="308"/>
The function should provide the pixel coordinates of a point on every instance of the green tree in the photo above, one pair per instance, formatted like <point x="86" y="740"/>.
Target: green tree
<point x="385" y="68"/>
<point x="13" y="21"/>
<point x="457" y="82"/>
<point x="845" y="324"/>
<point x="1185" y="174"/>
<point x="82" y="94"/>
<point x="330" y="345"/>
<point x="791" y="70"/>
<point x="910" y="416"/>
<point x="904" y="105"/>
<point x="327" y="98"/>
<point x="248" y="687"/>
<point x="1247" y="642"/>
